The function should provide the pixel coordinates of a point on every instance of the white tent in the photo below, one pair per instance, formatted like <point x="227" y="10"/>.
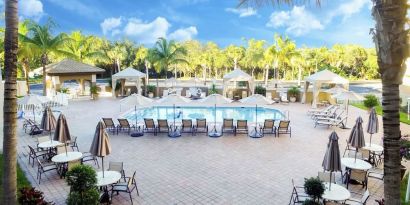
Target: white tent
<point x="129" y="74"/>
<point x="319" y="78"/>
<point x="235" y="76"/>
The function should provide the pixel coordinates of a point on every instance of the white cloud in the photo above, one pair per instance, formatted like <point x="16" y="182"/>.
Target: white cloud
<point x="297" y="22"/>
<point x="349" y="8"/>
<point x="109" y="24"/>
<point x="78" y="6"/>
<point x="243" y="12"/>
<point x="184" y="34"/>
<point x="32" y="9"/>
<point x="147" y="32"/>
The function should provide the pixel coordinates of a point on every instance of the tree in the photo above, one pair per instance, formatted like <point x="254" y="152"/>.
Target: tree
<point x="254" y="54"/>
<point x="9" y="177"/>
<point x="81" y="47"/>
<point x="42" y="39"/>
<point x="168" y="53"/>
<point x="145" y="56"/>
<point x="235" y="54"/>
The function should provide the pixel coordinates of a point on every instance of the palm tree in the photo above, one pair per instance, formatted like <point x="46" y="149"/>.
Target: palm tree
<point x="9" y="178"/>
<point x="81" y="48"/>
<point x="168" y="53"/>
<point x="42" y="39"/>
<point x="392" y="45"/>
<point x="26" y="52"/>
<point x="145" y="56"/>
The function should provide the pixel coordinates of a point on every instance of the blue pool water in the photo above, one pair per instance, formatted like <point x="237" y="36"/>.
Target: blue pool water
<point x="236" y="113"/>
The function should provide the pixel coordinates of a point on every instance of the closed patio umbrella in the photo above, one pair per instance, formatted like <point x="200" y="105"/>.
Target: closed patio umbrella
<point x="62" y="133"/>
<point x="215" y="99"/>
<point x="48" y="121"/>
<point x="373" y="124"/>
<point x="331" y="161"/>
<point x="256" y="99"/>
<point x="100" y="146"/>
<point x="356" y="137"/>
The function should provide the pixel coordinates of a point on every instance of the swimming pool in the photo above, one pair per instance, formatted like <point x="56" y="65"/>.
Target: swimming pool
<point x="183" y="112"/>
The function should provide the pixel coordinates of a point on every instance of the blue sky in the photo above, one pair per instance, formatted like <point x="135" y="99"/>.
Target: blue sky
<point x="143" y="21"/>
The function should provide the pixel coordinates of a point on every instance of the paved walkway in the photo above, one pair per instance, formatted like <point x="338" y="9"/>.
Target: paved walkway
<point x="202" y="170"/>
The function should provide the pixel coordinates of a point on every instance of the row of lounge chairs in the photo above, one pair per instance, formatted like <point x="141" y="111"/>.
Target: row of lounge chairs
<point x="329" y="116"/>
<point x="201" y="126"/>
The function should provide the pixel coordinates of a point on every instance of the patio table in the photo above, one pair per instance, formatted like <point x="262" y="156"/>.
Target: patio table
<point x="358" y="164"/>
<point x="67" y="157"/>
<point x="110" y="177"/>
<point x="336" y="193"/>
<point x="373" y="147"/>
<point x="50" y="144"/>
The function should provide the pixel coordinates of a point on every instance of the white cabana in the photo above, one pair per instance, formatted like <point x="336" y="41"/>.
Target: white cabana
<point x="235" y="76"/>
<point x="128" y="74"/>
<point x="319" y="78"/>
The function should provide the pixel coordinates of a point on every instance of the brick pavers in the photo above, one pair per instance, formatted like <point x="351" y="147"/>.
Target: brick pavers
<point x="202" y="170"/>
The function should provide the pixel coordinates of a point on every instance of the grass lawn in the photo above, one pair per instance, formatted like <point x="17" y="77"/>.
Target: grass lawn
<point x="22" y="181"/>
<point x="403" y="189"/>
<point x="403" y="115"/>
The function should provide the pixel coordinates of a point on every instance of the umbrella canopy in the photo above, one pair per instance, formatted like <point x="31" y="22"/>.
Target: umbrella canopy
<point x="136" y="99"/>
<point x="101" y="143"/>
<point x="349" y="95"/>
<point x="356" y="138"/>
<point x="32" y="99"/>
<point x="256" y="99"/>
<point x="373" y="124"/>
<point x="48" y="121"/>
<point x="331" y="161"/>
<point x="62" y="133"/>
<point x="216" y="98"/>
<point x="173" y="99"/>
<point x="335" y="90"/>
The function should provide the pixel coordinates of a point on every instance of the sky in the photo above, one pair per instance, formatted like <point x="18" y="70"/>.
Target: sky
<point x="221" y="21"/>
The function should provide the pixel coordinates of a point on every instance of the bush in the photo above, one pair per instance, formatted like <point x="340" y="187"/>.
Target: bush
<point x="370" y="101"/>
<point x="293" y="91"/>
<point x="213" y="90"/>
<point x="64" y="90"/>
<point x="151" y="88"/>
<point x="260" y="90"/>
<point x="314" y="188"/>
<point x="310" y="202"/>
<point x="82" y="180"/>
<point x="31" y="196"/>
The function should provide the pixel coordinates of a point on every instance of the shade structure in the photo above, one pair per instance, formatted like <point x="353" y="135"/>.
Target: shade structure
<point x="62" y="133"/>
<point x="215" y="99"/>
<point x="128" y="74"/>
<point x="356" y="137"/>
<point x="48" y="121"/>
<point x="135" y="100"/>
<point x="372" y="124"/>
<point x="256" y="99"/>
<point x="331" y="161"/>
<point x="32" y="101"/>
<point x="173" y="99"/>
<point x="100" y="146"/>
<point x="237" y="75"/>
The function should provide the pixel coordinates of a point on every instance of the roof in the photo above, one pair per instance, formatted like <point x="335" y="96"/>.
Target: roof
<point x="68" y="66"/>
<point x="128" y="73"/>
<point x="237" y="75"/>
<point x="326" y="76"/>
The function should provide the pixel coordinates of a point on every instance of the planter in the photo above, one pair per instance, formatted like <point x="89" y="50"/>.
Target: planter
<point x="292" y="99"/>
<point x="94" y="96"/>
<point x="151" y="95"/>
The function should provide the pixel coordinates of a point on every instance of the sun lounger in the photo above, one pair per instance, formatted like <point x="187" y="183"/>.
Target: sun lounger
<point x="284" y="128"/>
<point x="124" y="125"/>
<point x="110" y="125"/>
<point x="228" y="126"/>
<point x="329" y="114"/>
<point x="150" y="126"/>
<point x="332" y="122"/>
<point x="324" y="110"/>
<point x="187" y="126"/>
<point x="268" y="127"/>
<point x="201" y="126"/>
<point x="241" y="126"/>
<point x="162" y="126"/>
<point x="331" y="117"/>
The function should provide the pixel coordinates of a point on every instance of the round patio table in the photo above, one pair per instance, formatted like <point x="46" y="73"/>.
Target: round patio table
<point x="358" y="164"/>
<point x="373" y="147"/>
<point x="50" y="144"/>
<point x="67" y="157"/>
<point x="110" y="177"/>
<point x="336" y="193"/>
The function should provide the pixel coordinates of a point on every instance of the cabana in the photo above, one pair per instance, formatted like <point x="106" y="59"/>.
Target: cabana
<point x="235" y="76"/>
<point x="128" y="74"/>
<point x="320" y="78"/>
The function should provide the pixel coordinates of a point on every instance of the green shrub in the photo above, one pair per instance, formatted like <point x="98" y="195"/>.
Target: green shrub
<point x="370" y="101"/>
<point x="94" y="89"/>
<point x="260" y="90"/>
<point x="314" y="188"/>
<point x="82" y="180"/>
<point x="212" y="89"/>
<point x="293" y="91"/>
<point x="64" y="90"/>
<point x="310" y="202"/>
<point x="31" y="196"/>
<point x="151" y="88"/>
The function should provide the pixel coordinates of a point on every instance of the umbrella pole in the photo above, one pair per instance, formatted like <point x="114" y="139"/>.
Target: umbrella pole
<point x="256" y="119"/>
<point x="355" y="155"/>
<point x="136" y="119"/>
<point x="102" y="165"/>
<point x="371" y="140"/>
<point x="65" y="146"/>
<point x="330" y="181"/>
<point x="175" y="127"/>
<point x="215" y="118"/>
<point x="34" y="114"/>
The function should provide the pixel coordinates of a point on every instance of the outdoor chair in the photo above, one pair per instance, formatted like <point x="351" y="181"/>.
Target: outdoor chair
<point x="361" y="201"/>
<point x="268" y="127"/>
<point x="62" y="149"/>
<point x="366" y="155"/>
<point x="163" y="126"/>
<point x="284" y="128"/>
<point x="331" y="113"/>
<point x="334" y="116"/>
<point x="357" y="175"/>
<point x="45" y="167"/>
<point x="110" y="125"/>
<point x="41" y="140"/>
<point x="325" y="176"/>
<point x="378" y="158"/>
<point x="332" y="122"/>
<point x="150" y="126"/>
<point x="324" y="110"/>
<point x="73" y="143"/>
<point x="89" y="157"/>
<point x="33" y="154"/>
<point x="118" y="167"/>
<point x="228" y="126"/>
<point x="201" y="126"/>
<point x="35" y="130"/>
<point x="298" y="194"/>
<point x="241" y="127"/>
<point x="348" y="149"/>
<point x="29" y="124"/>
<point x="128" y="186"/>
<point x="376" y="174"/>
<point x="124" y="126"/>
<point x="187" y="126"/>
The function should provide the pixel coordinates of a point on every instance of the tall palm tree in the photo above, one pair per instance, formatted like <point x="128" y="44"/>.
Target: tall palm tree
<point x="145" y="56"/>
<point x="168" y="53"/>
<point x="40" y="37"/>
<point x="392" y="44"/>
<point x="9" y="178"/>
<point x="26" y="52"/>
<point x="81" y="47"/>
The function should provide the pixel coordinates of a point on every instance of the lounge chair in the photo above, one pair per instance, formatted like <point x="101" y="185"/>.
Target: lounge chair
<point x="228" y="126"/>
<point x="324" y="110"/>
<point x="200" y="126"/>
<point x="268" y="127"/>
<point x="124" y="125"/>
<point x="241" y="126"/>
<point x="187" y="126"/>
<point x="162" y="126"/>
<point x="284" y="128"/>
<point x="332" y="122"/>
<point x="150" y="126"/>
<point x="28" y="124"/>
<point x="331" y="113"/>
<point x="110" y="125"/>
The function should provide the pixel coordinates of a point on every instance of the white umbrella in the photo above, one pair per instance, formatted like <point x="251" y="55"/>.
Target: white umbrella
<point x="173" y="99"/>
<point x="32" y="100"/>
<point x="136" y="100"/>
<point x="335" y="90"/>
<point x="346" y="97"/>
<point x="215" y="98"/>
<point x="256" y="99"/>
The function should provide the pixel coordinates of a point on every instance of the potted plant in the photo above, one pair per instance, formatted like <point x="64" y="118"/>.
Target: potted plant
<point x="212" y="89"/>
<point x="404" y="152"/>
<point x="151" y="90"/>
<point x="82" y="180"/>
<point x="31" y="196"/>
<point x="370" y="101"/>
<point x="315" y="188"/>
<point x="94" y="92"/>
<point x="293" y="92"/>
<point x="260" y="90"/>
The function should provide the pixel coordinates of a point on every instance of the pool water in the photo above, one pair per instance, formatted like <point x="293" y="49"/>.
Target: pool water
<point x="236" y="113"/>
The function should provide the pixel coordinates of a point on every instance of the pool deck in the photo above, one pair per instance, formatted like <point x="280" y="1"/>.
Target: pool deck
<point x="203" y="170"/>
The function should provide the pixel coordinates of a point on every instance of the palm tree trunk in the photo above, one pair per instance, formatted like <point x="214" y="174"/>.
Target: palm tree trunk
<point x="44" y="63"/>
<point x="266" y="75"/>
<point x="9" y="177"/>
<point x="299" y="75"/>
<point x="146" y="78"/>
<point x="26" y="74"/>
